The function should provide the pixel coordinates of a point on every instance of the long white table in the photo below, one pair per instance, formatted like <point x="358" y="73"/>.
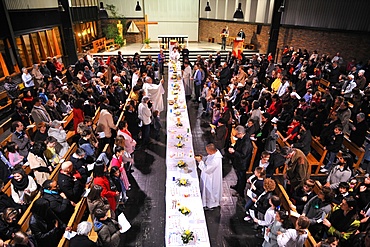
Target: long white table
<point x="177" y="196"/>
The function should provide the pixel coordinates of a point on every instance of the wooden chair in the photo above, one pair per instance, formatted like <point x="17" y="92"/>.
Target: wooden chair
<point x="323" y="84"/>
<point x="319" y="149"/>
<point x="357" y="151"/>
<point x="253" y="158"/>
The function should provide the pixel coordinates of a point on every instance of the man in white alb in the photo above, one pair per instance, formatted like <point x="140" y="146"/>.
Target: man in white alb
<point x="211" y="177"/>
<point x="155" y="92"/>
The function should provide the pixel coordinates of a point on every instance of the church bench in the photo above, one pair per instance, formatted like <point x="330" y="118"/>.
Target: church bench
<point x="5" y="102"/>
<point x="323" y="84"/>
<point x="357" y="151"/>
<point x="281" y="141"/>
<point x="253" y="157"/>
<point x="319" y="149"/>
<point x="110" y="45"/>
<point x="5" y="126"/>
<point x="98" y="45"/>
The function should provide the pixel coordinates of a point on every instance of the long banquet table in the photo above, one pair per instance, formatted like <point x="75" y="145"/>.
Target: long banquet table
<point x="181" y="196"/>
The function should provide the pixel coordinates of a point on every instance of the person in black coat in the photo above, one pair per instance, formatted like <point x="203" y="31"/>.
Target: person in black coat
<point x="79" y="163"/>
<point x="358" y="130"/>
<point x="303" y="194"/>
<point x="240" y="155"/>
<point x="58" y="202"/>
<point x="225" y="76"/>
<point x="6" y="201"/>
<point x="304" y="139"/>
<point x="82" y="239"/>
<point x="8" y="223"/>
<point x="44" y="224"/>
<point x="220" y="135"/>
<point x="132" y="121"/>
<point x="69" y="182"/>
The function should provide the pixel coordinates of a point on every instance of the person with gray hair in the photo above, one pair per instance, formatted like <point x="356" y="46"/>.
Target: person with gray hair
<point x="82" y="239"/>
<point x="358" y="130"/>
<point x="361" y="80"/>
<point x="56" y="130"/>
<point x="348" y="86"/>
<point x="145" y="114"/>
<point x="240" y="156"/>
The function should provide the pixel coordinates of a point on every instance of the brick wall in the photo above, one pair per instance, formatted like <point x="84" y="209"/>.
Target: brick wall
<point x="212" y="29"/>
<point x="349" y="44"/>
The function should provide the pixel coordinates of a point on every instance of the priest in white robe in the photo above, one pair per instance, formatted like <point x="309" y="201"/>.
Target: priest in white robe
<point x="155" y="92"/>
<point x="188" y="84"/>
<point x="211" y="177"/>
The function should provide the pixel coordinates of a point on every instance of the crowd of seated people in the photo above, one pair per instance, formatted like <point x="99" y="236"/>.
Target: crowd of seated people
<point x="256" y="99"/>
<point x="49" y="97"/>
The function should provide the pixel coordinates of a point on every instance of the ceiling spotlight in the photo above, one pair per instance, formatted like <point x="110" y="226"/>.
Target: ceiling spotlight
<point x="138" y="7"/>
<point x="238" y="12"/>
<point x="208" y="8"/>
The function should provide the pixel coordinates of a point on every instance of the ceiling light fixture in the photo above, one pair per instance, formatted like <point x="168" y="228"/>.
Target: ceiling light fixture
<point x="238" y="12"/>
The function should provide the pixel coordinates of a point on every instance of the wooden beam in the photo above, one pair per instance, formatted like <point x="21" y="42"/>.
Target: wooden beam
<point x="48" y="44"/>
<point x="56" y="43"/>
<point x="16" y="67"/>
<point x="3" y="65"/>
<point x="25" y="52"/>
<point x="41" y="46"/>
<point x="35" y="56"/>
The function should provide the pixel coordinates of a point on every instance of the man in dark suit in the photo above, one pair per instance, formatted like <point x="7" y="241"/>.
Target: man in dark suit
<point x="224" y="76"/>
<point x="240" y="155"/>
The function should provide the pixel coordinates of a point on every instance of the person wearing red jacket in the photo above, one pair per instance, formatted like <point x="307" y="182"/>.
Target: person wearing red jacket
<point x="100" y="178"/>
<point x="276" y="106"/>
<point x="78" y="113"/>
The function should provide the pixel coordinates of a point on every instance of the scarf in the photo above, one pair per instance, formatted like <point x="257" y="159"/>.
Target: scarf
<point x="20" y="185"/>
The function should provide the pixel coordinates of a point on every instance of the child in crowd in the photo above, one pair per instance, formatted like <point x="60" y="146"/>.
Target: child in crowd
<point x="269" y="216"/>
<point x="14" y="157"/>
<point x="280" y="224"/>
<point x="255" y="184"/>
<point x="303" y="194"/>
<point x="333" y="145"/>
<point x="50" y="152"/>
<point x="343" y="191"/>
<point x="216" y="113"/>
<point x="294" y="237"/>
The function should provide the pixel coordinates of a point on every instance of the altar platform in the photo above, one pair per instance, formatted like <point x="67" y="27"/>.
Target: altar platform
<point x="195" y="48"/>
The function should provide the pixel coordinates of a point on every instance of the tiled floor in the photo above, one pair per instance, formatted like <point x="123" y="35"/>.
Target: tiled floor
<point x="146" y="205"/>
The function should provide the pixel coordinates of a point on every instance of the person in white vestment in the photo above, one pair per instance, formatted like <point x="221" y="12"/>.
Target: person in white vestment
<point x="211" y="177"/>
<point x="175" y="55"/>
<point x="155" y="92"/>
<point x="186" y="75"/>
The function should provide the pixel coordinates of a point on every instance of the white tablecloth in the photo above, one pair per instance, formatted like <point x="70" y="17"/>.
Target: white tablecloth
<point x="177" y="196"/>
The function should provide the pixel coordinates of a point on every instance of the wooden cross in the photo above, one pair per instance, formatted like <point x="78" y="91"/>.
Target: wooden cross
<point x="146" y="23"/>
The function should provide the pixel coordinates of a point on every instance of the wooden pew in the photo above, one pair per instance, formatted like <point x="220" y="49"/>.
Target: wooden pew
<point x="319" y="149"/>
<point x="281" y="141"/>
<point x="253" y="158"/>
<point x="359" y="152"/>
<point x="323" y="84"/>
<point x="5" y="126"/>
<point x="109" y="45"/>
<point x="4" y="96"/>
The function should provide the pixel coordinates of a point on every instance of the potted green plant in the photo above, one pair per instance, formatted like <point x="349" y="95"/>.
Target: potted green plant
<point x="147" y="42"/>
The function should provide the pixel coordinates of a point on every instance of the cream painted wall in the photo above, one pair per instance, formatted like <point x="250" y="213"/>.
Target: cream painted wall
<point x="173" y="16"/>
<point x="34" y="4"/>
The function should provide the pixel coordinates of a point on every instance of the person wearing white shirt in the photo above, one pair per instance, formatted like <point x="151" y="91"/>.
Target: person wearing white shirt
<point x="175" y="55"/>
<point x="145" y="116"/>
<point x="211" y="177"/>
<point x="27" y="79"/>
<point x="135" y="77"/>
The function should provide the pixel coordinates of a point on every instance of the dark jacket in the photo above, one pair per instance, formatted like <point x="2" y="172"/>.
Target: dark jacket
<point x="358" y="136"/>
<point x="220" y="136"/>
<point x="81" y="241"/>
<point x="225" y="76"/>
<point x="6" y="229"/>
<point x="72" y="189"/>
<point x="61" y="207"/>
<point x="298" y="195"/>
<point x="335" y="143"/>
<point x="304" y="143"/>
<point x="7" y="202"/>
<point x="80" y="166"/>
<point x="242" y="154"/>
<point x="108" y="232"/>
<point x="262" y="204"/>
<point x="45" y="232"/>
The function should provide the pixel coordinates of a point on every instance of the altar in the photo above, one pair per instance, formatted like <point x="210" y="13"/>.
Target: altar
<point x="164" y="40"/>
<point x="184" y="208"/>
